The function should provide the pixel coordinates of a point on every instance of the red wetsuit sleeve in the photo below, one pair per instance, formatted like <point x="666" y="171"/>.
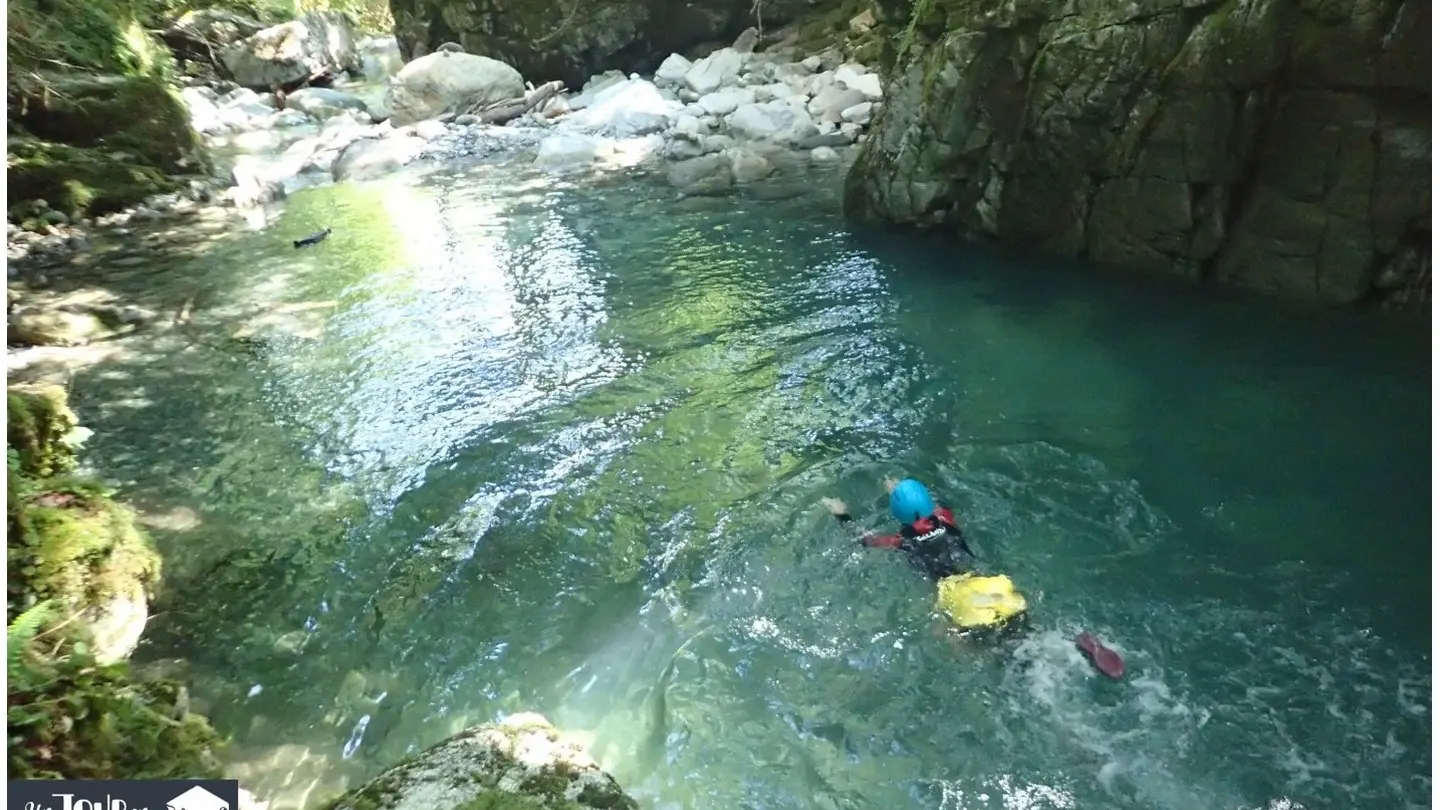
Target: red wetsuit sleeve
<point x="882" y="540"/>
<point x="944" y="513"/>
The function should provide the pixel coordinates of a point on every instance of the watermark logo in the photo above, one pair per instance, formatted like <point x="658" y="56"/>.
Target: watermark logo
<point x="121" y="794"/>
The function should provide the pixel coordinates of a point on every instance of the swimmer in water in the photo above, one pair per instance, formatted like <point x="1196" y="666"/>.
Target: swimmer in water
<point x="934" y="543"/>
<point x="928" y="534"/>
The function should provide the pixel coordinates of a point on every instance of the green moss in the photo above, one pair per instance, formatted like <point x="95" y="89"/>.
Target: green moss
<point x="79" y="181"/>
<point x="139" y="115"/>
<point x="500" y="800"/>
<point x="38" y="421"/>
<point x="72" y="543"/>
<point x="70" y="718"/>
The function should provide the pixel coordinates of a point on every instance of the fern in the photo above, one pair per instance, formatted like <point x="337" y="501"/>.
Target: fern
<point x="21" y="632"/>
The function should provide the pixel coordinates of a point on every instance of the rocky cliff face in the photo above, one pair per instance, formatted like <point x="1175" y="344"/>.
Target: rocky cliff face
<point x="572" y="40"/>
<point x="1282" y="145"/>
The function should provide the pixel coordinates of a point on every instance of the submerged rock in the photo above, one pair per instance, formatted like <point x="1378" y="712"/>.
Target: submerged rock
<point x="520" y="763"/>
<point x="1267" y="144"/>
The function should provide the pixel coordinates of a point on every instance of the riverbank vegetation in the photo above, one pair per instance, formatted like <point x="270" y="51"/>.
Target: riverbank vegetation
<point x="96" y="120"/>
<point x="80" y="572"/>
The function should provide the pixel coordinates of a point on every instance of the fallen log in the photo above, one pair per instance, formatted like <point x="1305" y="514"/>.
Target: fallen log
<point x="500" y="112"/>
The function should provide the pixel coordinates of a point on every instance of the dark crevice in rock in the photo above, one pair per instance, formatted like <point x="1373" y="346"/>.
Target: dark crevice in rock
<point x="1252" y="151"/>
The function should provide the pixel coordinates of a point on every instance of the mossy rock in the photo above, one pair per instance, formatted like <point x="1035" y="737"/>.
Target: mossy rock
<point x="70" y="544"/>
<point x="140" y="115"/>
<point x="520" y="763"/>
<point x="38" y="422"/>
<point x="72" y="717"/>
<point x="78" y="181"/>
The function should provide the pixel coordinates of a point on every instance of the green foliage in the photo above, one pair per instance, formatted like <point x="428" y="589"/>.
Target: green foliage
<point x="37" y="423"/>
<point x="368" y="16"/>
<point x="104" y="36"/>
<point x="68" y="544"/>
<point x="71" y="718"/>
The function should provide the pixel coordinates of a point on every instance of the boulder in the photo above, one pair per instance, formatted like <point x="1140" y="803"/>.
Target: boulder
<point x="139" y="115"/>
<point x="1278" y="146"/>
<point x="671" y="72"/>
<point x="623" y="109"/>
<point x="446" y="81"/>
<point x="832" y="101"/>
<point x="857" y="78"/>
<point x="315" y="44"/>
<point x="719" y="69"/>
<point x="200" y="33"/>
<point x="726" y="101"/>
<point x="772" y="120"/>
<point x="522" y="761"/>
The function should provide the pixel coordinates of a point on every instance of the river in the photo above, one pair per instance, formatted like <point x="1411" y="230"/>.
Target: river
<point x="505" y="444"/>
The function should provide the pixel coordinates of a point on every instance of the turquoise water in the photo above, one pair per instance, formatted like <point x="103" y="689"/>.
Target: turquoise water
<point x="530" y="446"/>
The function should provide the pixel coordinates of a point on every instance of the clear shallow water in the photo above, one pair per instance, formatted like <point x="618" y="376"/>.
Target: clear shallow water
<point x="529" y="447"/>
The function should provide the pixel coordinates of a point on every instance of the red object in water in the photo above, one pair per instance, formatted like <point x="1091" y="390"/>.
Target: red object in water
<point x="1105" y="659"/>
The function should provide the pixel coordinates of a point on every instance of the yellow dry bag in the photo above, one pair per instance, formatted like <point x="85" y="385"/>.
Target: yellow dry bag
<point x="974" y="601"/>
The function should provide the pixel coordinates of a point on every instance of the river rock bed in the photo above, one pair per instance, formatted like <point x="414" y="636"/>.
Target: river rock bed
<point x="733" y="117"/>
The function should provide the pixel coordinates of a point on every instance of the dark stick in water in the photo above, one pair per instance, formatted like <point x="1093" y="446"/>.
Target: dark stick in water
<point x="312" y="239"/>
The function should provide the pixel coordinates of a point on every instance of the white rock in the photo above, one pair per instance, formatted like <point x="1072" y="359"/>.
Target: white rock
<point x="818" y="83"/>
<point x="626" y="109"/>
<point x="773" y="120"/>
<point x="436" y="82"/>
<point x="714" y="71"/>
<point x="204" y="113"/>
<point x="858" y="78"/>
<point x="858" y="114"/>
<point x="671" y="72"/>
<point x="811" y="63"/>
<point x="831" y="101"/>
<point x="568" y="151"/>
<point x="594" y="87"/>
<point x="430" y="130"/>
<point x="825" y="127"/>
<point x="824" y="154"/>
<point x="726" y="100"/>
<point x="316" y="42"/>
<point x="687" y="125"/>
<point x="851" y="131"/>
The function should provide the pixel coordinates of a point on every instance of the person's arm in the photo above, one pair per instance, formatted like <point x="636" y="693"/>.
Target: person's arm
<point x="842" y="513"/>
<point x="944" y="513"/>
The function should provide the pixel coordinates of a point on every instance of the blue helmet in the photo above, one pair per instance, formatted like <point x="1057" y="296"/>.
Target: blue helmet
<point x="910" y="501"/>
